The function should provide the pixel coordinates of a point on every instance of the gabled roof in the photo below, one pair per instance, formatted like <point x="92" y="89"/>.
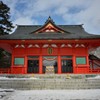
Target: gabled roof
<point x="69" y="32"/>
<point x="50" y="24"/>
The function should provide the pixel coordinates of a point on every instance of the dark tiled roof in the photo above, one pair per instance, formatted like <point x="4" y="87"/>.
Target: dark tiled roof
<point x="93" y="57"/>
<point x="72" y="32"/>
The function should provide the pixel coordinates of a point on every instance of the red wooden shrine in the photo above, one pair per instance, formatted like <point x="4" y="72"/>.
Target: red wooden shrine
<point x="64" y="47"/>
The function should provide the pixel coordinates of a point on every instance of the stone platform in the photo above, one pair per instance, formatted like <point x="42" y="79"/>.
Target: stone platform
<point x="54" y="82"/>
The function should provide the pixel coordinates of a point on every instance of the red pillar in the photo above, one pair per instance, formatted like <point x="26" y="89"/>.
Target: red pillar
<point x="12" y="63"/>
<point x="87" y="60"/>
<point x="59" y="60"/>
<point x="74" y="59"/>
<point x="88" y="66"/>
<point x="40" y="60"/>
<point x="40" y="65"/>
<point x="59" y="64"/>
<point x="25" y="66"/>
<point x="74" y="64"/>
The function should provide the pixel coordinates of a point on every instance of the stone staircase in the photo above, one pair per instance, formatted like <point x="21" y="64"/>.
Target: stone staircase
<point x="34" y="82"/>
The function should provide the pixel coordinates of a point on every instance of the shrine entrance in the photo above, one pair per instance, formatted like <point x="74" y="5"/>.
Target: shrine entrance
<point x="50" y="65"/>
<point x="66" y="64"/>
<point x="33" y="64"/>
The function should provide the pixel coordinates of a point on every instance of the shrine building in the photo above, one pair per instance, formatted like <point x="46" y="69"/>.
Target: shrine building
<point x="51" y="48"/>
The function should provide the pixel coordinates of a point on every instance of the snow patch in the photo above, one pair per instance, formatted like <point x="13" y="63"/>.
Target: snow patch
<point x="7" y="78"/>
<point x="55" y="95"/>
<point x="4" y="78"/>
<point x="5" y="92"/>
<point x="96" y="77"/>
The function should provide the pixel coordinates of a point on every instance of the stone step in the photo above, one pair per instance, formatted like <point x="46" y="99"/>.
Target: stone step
<point x="50" y="76"/>
<point x="50" y="84"/>
<point x="63" y="81"/>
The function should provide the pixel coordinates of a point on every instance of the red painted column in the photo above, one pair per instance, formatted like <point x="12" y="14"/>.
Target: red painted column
<point x="40" y="65"/>
<point x="59" y="64"/>
<point x="74" y="64"/>
<point x="88" y="66"/>
<point x="59" y="60"/>
<point x="87" y="60"/>
<point x="40" y="61"/>
<point x="12" y="63"/>
<point x="25" y="66"/>
<point x="74" y="59"/>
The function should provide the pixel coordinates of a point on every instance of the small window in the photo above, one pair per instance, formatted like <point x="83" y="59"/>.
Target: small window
<point x="80" y="60"/>
<point x="33" y="57"/>
<point x="66" y="57"/>
<point x="19" y="61"/>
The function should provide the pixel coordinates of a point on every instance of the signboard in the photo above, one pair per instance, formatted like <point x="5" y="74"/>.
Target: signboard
<point x="19" y="61"/>
<point x="80" y="60"/>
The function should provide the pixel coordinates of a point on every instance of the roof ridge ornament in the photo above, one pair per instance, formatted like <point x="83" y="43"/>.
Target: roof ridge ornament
<point x="49" y="20"/>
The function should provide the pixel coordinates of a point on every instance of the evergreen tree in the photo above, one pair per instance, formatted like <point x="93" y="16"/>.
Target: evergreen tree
<point x="5" y="24"/>
<point x="5" y="28"/>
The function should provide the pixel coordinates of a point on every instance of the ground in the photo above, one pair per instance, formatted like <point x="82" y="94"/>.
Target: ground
<point x="86" y="94"/>
<point x="50" y="94"/>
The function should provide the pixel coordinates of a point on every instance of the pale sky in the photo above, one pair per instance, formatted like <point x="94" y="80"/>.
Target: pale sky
<point x="69" y="12"/>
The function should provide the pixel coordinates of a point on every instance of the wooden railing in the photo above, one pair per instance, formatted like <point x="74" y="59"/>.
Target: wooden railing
<point x="94" y="66"/>
<point x="5" y="70"/>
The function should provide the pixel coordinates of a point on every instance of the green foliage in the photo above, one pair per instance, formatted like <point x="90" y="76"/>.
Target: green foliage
<point x="5" y="27"/>
<point x="5" y="59"/>
<point x="5" y="24"/>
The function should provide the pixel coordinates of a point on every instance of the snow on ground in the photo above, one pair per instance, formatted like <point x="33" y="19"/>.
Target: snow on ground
<point x="10" y="94"/>
<point x="32" y="78"/>
<point x="96" y="77"/>
<point x="5" y="92"/>
<point x="53" y="95"/>
<point x="7" y="78"/>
